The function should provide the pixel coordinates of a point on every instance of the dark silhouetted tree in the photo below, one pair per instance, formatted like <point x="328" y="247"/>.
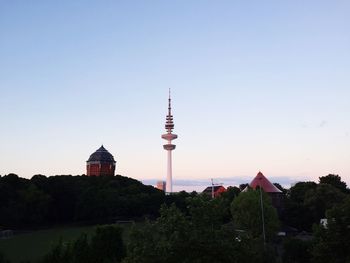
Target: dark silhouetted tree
<point x="296" y="213"/>
<point x="106" y="245"/>
<point x="332" y="242"/>
<point x="334" y="180"/>
<point x="296" y="251"/>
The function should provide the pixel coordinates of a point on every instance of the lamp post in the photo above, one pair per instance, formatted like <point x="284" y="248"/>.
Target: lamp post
<point x="262" y="212"/>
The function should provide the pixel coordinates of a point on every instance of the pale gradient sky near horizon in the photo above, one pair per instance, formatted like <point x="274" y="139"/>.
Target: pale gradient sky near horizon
<point x="256" y="85"/>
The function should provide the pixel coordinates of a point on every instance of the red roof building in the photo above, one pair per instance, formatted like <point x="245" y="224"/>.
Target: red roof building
<point x="261" y="181"/>
<point x="216" y="190"/>
<point x="276" y="195"/>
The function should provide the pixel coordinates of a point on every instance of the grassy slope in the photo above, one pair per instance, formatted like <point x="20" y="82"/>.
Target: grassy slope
<point x="32" y="246"/>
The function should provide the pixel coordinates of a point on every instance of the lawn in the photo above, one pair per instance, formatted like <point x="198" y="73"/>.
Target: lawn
<point x="34" y="245"/>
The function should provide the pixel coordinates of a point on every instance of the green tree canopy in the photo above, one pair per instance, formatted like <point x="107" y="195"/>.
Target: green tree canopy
<point x="198" y="237"/>
<point x="106" y="246"/>
<point x="332" y="242"/>
<point x="333" y="180"/>
<point x="296" y="214"/>
<point x="246" y="213"/>
<point x="296" y="251"/>
<point x="65" y="199"/>
<point x="323" y="197"/>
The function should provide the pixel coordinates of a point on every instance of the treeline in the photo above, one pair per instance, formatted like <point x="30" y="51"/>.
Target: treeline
<point x="189" y="227"/>
<point x="43" y="201"/>
<point x="229" y="229"/>
<point x="196" y="228"/>
<point x="307" y="202"/>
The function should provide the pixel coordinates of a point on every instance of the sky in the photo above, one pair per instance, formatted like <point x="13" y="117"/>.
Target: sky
<point x="256" y="86"/>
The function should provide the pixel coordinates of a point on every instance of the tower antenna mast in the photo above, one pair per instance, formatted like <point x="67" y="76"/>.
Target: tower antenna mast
<point x="169" y="136"/>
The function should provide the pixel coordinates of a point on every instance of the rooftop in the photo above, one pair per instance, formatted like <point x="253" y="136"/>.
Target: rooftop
<point x="101" y="155"/>
<point x="261" y="181"/>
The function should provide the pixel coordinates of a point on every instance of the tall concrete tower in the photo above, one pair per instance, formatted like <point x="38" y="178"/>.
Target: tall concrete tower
<point x="169" y="136"/>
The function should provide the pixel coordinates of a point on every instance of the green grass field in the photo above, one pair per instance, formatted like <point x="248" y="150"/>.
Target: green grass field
<point x="34" y="245"/>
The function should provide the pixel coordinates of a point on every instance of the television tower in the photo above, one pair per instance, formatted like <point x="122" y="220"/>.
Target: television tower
<point x="169" y="136"/>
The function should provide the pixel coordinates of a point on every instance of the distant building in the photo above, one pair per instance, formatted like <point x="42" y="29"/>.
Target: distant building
<point x="276" y="194"/>
<point x="216" y="190"/>
<point x="161" y="185"/>
<point x="261" y="181"/>
<point x="100" y="163"/>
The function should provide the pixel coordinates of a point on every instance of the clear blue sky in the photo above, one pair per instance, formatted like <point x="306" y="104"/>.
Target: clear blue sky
<point x="257" y="85"/>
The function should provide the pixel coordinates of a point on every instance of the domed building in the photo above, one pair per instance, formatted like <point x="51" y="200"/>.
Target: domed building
<point x="100" y="163"/>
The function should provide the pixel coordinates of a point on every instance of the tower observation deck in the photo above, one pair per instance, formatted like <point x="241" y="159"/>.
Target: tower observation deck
<point x="169" y="136"/>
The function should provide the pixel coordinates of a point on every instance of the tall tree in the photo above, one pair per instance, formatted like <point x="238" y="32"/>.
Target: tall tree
<point x="247" y="214"/>
<point x="296" y="213"/>
<point x="323" y="197"/>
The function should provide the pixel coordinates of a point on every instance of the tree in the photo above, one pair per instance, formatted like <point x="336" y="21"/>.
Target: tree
<point x="212" y="238"/>
<point x="106" y="246"/>
<point x="298" y="191"/>
<point x="318" y="200"/>
<point x="65" y="199"/>
<point x="246" y="213"/>
<point x="296" y="214"/>
<point x="231" y="193"/>
<point x="160" y="241"/>
<point x="36" y="205"/>
<point x="307" y="203"/>
<point x="81" y="251"/>
<point x="60" y="253"/>
<point x="333" y="180"/>
<point x="3" y="259"/>
<point x="332" y="242"/>
<point x="199" y="237"/>
<point x="296" y="251"/>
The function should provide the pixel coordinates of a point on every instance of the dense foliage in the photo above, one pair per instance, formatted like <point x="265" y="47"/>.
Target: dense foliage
<point x="106" y="245"/>
<point x="189" y="227"/>
<point x="296" y="251"/>
<point x="307" y="202"/>
<point x="332" y="241"/>
<point x="64" y="199"/>
<point x="202" y="236"/>
<point x="3" y="259"/>
<point x="246" y="210"/>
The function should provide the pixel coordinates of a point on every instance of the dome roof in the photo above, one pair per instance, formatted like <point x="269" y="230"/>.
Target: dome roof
<point x="264" y="183"/>
<point x="101" y="155"/>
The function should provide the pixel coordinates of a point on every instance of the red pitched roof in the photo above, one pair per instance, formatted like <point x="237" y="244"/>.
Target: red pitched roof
<point x="218" y="190"/>
<point x="264" y="183"/>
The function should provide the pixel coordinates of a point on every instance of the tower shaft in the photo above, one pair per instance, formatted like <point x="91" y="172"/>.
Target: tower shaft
<point x="169" y="177"/>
